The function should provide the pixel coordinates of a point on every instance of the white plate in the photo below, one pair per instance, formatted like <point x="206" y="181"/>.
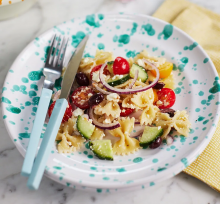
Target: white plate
<point x="197" y="91"/>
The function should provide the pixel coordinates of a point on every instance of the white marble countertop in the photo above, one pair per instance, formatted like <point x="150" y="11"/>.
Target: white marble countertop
<point x="15" y="34"/>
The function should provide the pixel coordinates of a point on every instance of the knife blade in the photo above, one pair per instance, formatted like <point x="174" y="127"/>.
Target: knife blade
<point x="72" y="68"/>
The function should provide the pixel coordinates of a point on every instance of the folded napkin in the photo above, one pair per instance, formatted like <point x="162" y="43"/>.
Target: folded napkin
<point x="204" y="26"/>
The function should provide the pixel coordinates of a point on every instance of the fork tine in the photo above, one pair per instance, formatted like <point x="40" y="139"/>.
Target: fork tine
<point x="61" y="63"/>
<point x="54" y="54"/>
<point x="61" y="48"/>
<point x="51" y="50"/>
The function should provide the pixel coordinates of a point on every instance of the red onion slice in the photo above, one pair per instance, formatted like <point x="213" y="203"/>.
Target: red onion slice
<point x="101" y="125"/>
<point x="137" y="131"/>
<point x="128" y="91"/>
<point x="169" y="140"/>
<point x="137" y="122"/>
<point x="134" y="80"/>
<point x="100" y="89"/>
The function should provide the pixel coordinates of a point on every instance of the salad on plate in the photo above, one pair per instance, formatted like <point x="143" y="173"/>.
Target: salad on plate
<point x="121" y="105"/>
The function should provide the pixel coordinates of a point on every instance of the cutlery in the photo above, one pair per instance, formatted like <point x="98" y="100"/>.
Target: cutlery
<point x="56" y="118"/>
<point x="52" y="71"/>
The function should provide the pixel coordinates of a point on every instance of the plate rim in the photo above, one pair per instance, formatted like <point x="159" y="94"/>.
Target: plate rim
<point x="161" y="176"/>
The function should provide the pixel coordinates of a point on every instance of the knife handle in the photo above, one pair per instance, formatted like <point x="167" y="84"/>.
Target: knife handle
<point x="46" y="144"/>
<point x="36" y="131"/>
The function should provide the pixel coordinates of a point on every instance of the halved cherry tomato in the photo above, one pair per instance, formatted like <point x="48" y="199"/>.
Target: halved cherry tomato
<point x="125" y="111"/>
<point x="80" y="96"/>
<point x="164" y="70"/>
<point x="97" y="68"/>
<point x="167" y="98"/>
<point x="68" y="113"/>
<point x="120" y="66"/>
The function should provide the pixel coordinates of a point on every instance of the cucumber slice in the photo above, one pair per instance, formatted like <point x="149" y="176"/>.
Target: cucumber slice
<point x="84" y="127"/>
<point x="102" y="149"/>
<point x="149" y="135"/>
<point x="110" y="66"/>
<point x="117" y="82"/>
<point x="142" y="73"/>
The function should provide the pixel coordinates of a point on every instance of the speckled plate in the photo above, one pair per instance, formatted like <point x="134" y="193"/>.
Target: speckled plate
<point x="197" y="91"/>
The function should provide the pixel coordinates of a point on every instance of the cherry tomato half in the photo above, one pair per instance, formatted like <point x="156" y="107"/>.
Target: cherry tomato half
<point x="120" y="66"/>
<point x="97" y="68"/>
<point x="125" y="111"/>
<point x="80" y="96"/>
<point x="68" y="113"/>
<point x="167" y="98"/>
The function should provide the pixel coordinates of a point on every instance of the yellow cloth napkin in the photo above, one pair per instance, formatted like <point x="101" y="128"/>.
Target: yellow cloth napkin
<point x="204" y="26"/>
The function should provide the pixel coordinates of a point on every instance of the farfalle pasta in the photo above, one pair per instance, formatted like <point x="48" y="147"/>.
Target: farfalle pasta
<point x="148" y="115"/>
<point x="108" y="108"/>
<point x="180" y="122"/>
<point x="144" y="98"/>
<point x="125" y="145"/>
<point x="69" y="142"/>
<point x="116" y="97"/>
<point x="164" y="121"/>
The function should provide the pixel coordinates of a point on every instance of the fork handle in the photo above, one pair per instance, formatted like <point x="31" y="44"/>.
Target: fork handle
<point x="46" y="144"/>
<point x="36" y="131"/>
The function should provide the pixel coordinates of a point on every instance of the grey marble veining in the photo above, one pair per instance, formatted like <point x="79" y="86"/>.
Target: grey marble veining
<point x="15" y="34"/>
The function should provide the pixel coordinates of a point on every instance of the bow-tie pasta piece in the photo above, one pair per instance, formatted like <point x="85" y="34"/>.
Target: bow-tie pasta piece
<point x="142" y="99"/>
<point x="110" y="108"/>
<point x="127" y="103"/>
<point x="169" y="82"/>
<point x="181" y="122"/>
<point x="64" y="146"/>
<point x="157" y="61"/>
<point x="69" y="143"/>
<point x="98" y="134"/>
<point x="101" y="57"/>
<point x="164" y="121"/>
<point x="86" y="65"/>
<point x="148" y="115"/>
<point x="126" y="145"/>
<point x="66" y="128"/>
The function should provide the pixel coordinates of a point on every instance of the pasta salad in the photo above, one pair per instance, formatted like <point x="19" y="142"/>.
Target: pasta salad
<point x="121" y="105"/>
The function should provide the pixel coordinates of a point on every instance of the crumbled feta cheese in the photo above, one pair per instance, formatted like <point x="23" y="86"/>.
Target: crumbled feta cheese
<point x="132" y="106"/>
<point x="159" y="127"/>
<point x="77" y="112"/>
<point x="95" y="76"/>
<point x="90" y="120"/>
<point x="159" y="102"/>
<point x="166" y="103"/>
<point x="140" y="62"/>
<point x="86" y="59"/>
<point x="116" y="77"/>
<point x="106" y="77"/>
<point x="69" y="143"/>
<point x="90" y="94"/>
<point x="107" y="121"/>
<point x="113" y="97"/>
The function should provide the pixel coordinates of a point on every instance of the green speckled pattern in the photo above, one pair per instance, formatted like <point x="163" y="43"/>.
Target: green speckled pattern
<point x="197" y="91"/>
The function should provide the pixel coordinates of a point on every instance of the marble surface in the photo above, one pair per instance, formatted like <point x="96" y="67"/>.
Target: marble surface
<point x="15" y="34"/>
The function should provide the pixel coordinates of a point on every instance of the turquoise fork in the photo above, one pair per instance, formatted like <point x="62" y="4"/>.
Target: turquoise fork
<point x="52" y="71"/>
